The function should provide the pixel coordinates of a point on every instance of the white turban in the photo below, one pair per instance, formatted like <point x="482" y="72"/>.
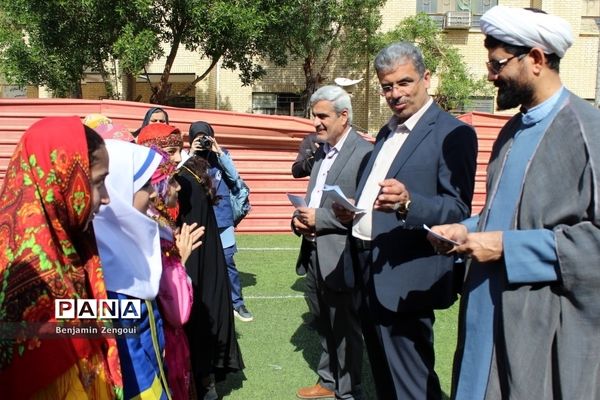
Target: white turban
<point x="521" y="27"/>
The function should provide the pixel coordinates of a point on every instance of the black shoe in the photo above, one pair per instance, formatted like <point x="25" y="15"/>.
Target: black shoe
<point x="208" y="392"/>
<point x="243" y="314"/>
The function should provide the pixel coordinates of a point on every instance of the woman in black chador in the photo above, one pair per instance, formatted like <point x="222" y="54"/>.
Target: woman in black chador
<point x="211" y="331"/>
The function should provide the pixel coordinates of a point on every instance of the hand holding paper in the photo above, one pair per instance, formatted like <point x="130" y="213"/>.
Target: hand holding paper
<point x="338" y="196"/>
<point x="440" y="237"/>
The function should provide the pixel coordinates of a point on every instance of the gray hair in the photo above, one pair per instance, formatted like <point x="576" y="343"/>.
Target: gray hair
<point x="335" y="94"/>
<point x="388" y="59"/>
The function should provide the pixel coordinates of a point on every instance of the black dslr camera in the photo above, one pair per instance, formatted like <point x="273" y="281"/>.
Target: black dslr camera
<point x="205" y="142"/>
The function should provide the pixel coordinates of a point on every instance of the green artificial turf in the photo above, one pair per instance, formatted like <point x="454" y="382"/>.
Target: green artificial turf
<point x="279" y="347"/>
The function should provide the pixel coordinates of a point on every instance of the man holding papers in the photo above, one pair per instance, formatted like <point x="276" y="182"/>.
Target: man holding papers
<point x="421" y="171"/>
<point x="330" y="290"/>
<point x="529" y="313"/>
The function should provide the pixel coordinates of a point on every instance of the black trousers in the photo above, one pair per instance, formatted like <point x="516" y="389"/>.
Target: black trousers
<point x="338" y="325"/>
<point x="399" y="345"/>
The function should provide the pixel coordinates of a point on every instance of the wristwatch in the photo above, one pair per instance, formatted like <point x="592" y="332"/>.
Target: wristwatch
<point x="402" y="208"/>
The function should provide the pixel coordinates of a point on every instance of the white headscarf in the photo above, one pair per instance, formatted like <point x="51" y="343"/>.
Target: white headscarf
<point x="128" y="241"/>
<point x="521" y="27"/>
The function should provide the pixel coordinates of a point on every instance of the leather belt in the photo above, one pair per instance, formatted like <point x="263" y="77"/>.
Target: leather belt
<point x="361" y="245"/>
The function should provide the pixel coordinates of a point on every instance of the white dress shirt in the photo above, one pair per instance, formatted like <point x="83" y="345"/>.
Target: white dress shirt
<point x="331" y="153"/>
<point x="363" y="223"/>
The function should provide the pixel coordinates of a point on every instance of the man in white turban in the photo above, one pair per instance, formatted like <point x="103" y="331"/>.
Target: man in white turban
<point x="529" y="315"/>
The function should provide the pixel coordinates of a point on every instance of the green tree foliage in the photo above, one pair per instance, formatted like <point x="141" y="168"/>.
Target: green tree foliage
<point x="317" y="32"/>
<point x="230" y="31"/>
<point x="54" y="42"/>
<point x="456" y="86"/>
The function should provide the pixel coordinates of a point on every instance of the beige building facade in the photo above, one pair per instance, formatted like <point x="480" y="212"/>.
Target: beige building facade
<point x="278" y="92"/>
<point x="281" y="86"/>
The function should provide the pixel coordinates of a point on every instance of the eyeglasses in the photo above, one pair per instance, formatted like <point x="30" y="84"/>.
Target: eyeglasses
<point x="495" y="66"/>
<point x="386" y="89"/>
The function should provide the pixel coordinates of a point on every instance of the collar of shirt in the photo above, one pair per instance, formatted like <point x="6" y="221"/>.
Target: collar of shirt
<point x="330" y="150"/>
<point x="541" y="111"/>
<point x="411" y="122"/>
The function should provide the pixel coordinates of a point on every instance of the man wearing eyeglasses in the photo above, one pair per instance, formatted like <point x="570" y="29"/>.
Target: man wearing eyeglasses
<point x="529" y="317"/>
<point x="421" y="171"/>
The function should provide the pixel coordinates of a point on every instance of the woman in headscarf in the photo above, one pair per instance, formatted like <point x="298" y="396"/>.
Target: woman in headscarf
<point x="175" y="295"/>
<point x="210" y="330"/>
<point x="154" y="115"/>
<point x="129" y="245"/>
<point x="53" y="187"/>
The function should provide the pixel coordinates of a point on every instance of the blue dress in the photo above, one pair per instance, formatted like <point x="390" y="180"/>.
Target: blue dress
<point x="142" y="367"/>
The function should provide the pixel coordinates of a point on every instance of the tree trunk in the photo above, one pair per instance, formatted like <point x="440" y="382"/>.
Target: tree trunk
<point x="76" y="91"/>
<point x="367" y="92"/>
<point x="129" y="86"/>
<point x="161" y="95"/>
<point x="108" y="86"/>
<point x="312" y="82"/>
<point x="192" y="85"/>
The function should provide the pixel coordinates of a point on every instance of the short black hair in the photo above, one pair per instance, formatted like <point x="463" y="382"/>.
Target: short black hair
<point x="491" y="42"/>
<point x="94" y="142"/>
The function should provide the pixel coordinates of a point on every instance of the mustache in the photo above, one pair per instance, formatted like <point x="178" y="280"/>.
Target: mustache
<point x="398" y="101"/>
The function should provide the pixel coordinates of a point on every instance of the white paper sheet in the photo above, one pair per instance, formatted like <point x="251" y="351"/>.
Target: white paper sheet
<point x="440" y="237"/>
<point x="297" y="201"/>
<point x="338" y="196"/>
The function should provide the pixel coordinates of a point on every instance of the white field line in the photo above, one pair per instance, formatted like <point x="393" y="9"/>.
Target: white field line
<point x="288" y="296"/>
<point x="269" y="248"/>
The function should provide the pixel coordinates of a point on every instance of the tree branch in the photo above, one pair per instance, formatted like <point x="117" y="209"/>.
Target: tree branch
<point x="192" y="84"/>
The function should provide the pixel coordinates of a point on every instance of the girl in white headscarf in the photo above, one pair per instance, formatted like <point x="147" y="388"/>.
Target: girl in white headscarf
<point x="129" y="246"/>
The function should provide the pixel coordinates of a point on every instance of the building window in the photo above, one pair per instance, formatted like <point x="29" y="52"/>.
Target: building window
<point x="590" y="8"/>
<point x="438" y="8"/>
<point x="442" y="6"/>
<point x="277" y="104"/>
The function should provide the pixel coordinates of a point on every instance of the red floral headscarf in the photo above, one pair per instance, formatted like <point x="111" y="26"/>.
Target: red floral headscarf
<point x="45" y="254"/>
<point x="160" y="135"/>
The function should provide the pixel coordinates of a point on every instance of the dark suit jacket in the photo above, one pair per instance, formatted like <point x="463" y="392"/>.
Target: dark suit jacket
<point x="331" y="233"/>
<point x="437" y="164"/>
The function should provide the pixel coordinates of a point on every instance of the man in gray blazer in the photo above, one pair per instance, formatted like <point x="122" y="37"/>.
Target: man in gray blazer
<point x="331" y="296"/>
<point x="529" y="326"/>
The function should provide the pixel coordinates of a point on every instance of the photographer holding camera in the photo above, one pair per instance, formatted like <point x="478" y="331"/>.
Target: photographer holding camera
<point x="306" y="156"/>
<point x="224" y="177"/>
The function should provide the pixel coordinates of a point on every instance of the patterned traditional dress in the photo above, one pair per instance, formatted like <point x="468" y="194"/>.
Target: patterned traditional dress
<point x="45" y="255"/>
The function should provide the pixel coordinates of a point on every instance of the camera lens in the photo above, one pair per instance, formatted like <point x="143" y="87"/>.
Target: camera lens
<point x="205" y="142"/>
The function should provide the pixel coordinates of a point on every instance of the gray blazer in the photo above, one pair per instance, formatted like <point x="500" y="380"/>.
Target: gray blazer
<point x="331" y="234"/>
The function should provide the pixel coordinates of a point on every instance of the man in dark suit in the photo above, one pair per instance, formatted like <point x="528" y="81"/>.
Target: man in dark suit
<point x="421" y="171"/>
<point x="332" y="301"/>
